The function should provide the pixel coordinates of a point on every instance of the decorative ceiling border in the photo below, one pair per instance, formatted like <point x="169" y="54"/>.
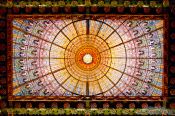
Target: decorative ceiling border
<point x="87" y="3"/>
<point x="86" y="107"/>
<point x="84" y="6"/>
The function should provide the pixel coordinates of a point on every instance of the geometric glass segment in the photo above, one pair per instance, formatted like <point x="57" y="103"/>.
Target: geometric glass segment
<point x="88" y="57"/>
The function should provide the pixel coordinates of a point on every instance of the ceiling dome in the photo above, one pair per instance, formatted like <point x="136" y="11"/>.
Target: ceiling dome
<point x="70" y="57"/>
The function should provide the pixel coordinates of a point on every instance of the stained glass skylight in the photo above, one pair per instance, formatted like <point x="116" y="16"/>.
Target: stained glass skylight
<point x="103" y="57"/>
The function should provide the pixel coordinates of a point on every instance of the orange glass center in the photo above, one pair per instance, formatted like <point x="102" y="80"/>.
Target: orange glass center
<point x="87" y="58"/>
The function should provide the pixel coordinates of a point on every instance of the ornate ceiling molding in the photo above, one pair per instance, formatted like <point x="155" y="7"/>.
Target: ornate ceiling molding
<point x="87" y="6"/>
